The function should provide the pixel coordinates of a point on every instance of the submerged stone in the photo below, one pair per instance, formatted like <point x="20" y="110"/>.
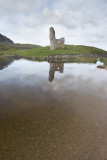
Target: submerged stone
<point x="102" y="66"/>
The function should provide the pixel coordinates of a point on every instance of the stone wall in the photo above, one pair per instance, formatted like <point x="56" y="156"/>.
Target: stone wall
<point x="55" y="43"/>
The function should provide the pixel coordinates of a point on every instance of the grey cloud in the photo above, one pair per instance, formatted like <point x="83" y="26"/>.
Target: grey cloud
<point x="57" y="17"/>
<point x="85" y="11"/>
<point x="18" y="7"/>
<point x="80" y="21"/>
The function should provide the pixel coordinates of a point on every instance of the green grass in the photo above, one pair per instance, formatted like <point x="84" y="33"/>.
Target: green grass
<point x="69" y="49"/>
<point x="104" y="60"/>
<point x="37" y="51"/>
<point x="10" y="47"/>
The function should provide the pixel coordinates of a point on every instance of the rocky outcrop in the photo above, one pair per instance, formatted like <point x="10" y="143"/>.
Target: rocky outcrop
<point x="102" y="67"/>
<point x="4" y="39"/>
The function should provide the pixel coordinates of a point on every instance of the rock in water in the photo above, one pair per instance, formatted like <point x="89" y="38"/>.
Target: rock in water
<point x="4" y="39"/>
<point x="101" y="66"/>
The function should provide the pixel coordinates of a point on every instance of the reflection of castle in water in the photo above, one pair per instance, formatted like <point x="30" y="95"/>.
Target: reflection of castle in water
<point x="55" y="67"/>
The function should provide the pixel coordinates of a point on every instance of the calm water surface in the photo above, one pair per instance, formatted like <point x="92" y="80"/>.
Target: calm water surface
<point x="52" y="111"/>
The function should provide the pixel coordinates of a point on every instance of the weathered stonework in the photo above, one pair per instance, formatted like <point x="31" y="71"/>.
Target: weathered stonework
<point x="55" y="43"/>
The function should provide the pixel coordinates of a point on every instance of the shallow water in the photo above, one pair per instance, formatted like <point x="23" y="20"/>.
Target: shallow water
<point x="52" y="111"/>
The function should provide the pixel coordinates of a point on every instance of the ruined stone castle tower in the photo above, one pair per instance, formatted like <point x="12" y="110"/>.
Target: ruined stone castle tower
<point x="55" y="43"/>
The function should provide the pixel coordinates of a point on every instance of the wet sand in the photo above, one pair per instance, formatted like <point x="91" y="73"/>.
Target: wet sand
<point x="61" y="124"/>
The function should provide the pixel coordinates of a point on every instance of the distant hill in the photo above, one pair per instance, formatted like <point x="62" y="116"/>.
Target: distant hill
<point x="14" y="46"/>
<point x="6" y="43"/>
<point x="5" y="39"/>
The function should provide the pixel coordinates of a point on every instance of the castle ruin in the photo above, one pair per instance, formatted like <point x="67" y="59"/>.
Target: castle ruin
<point x="55" y="43"/>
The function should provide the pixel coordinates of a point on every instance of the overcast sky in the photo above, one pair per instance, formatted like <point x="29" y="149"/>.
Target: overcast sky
<point x="79" y="21"/>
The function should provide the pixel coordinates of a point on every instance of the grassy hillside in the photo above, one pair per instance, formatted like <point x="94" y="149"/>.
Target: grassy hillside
<point x="28" y="50"/>
<point x="13" y="46"/>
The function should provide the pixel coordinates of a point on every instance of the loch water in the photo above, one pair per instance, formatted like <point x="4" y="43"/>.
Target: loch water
<point x="52" y="111"/>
